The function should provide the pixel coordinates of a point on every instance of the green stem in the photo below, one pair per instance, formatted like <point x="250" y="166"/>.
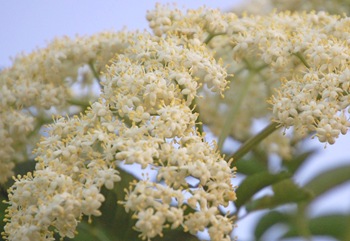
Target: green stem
<point x="255" y="140"/>
<point x="211" y="36"/>
<point x="125" y="118"/>
<point x="347" y="233"/>
<point x="194" y="107"/>
<point x="302" y="59"/>
<point x="233" y="112"/>
<point x="301" y="222"/>
<point x="94" y="72"/>
<point x="242" y="93"/>
<point x="79" y="102"/>
<point x="199" y="124"/>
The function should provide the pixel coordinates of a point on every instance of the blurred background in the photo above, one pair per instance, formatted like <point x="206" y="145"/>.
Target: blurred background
<point x="26" y="25"/>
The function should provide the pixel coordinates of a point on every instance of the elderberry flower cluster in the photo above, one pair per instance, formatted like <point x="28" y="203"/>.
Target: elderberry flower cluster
<point x="42" y="83"/>
<point x="145" y="115"/>
<point x="220" y="31"/>
<point x="307" y="51"/>
<point x="155" y="92"/>
<point x="267" y="6"/>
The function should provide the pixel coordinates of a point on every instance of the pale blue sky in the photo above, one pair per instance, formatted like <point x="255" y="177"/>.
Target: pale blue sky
<point x="26" y="25"/>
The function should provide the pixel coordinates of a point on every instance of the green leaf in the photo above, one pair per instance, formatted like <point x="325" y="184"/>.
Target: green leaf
<point x="267" y="221"/>
<point x="294" y="164"/>
<point x="254" y="183"/>
<point x="175" y="235"/>
<point x="114" y="214"/>
<point x="328" y="180"/>
<point x="3" y="207"/>
<point x="335" y="225"/>
<point x="114" y="223"/>
<point x="21" y="168"/>
<point x="249" y="167"/>
<point x="88" y="232"/>
<point x="285" y="192"/>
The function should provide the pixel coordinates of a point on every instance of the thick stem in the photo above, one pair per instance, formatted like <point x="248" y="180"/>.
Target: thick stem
<point x="255" y="140"/>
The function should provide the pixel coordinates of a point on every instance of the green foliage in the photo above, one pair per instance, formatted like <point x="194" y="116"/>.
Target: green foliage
<point x="250" y="166"/>
<point x="328" y="180"/>
<point x="254" y="183"/>
<point x="334" y="225"/>
<point x="298" y="161"/>
<point x="278" y="210"/>
<point x="285" y="192"/>
<point x="267" y="221"/>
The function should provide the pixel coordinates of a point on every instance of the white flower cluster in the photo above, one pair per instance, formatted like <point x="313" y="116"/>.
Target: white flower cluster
<point x="314" y="95"/>
<point x="147" y="114"/>
<point x="267" y="6"/>
<point x="144" y="116"/>
<point x="42" y="80"/>
<point x="307" y="51"/>
<point x="222" y="33"/>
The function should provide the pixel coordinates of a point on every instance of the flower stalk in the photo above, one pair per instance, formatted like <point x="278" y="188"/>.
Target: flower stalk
<point x="252" y="142"/>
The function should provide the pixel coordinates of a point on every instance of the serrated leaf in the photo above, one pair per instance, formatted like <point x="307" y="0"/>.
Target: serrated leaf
<point x="328" y="180"/>
<point x="335" y="225"/>
<point x="267" y="221"/>
<point x="254" y="183"/>
<point x="285" y="192"/>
